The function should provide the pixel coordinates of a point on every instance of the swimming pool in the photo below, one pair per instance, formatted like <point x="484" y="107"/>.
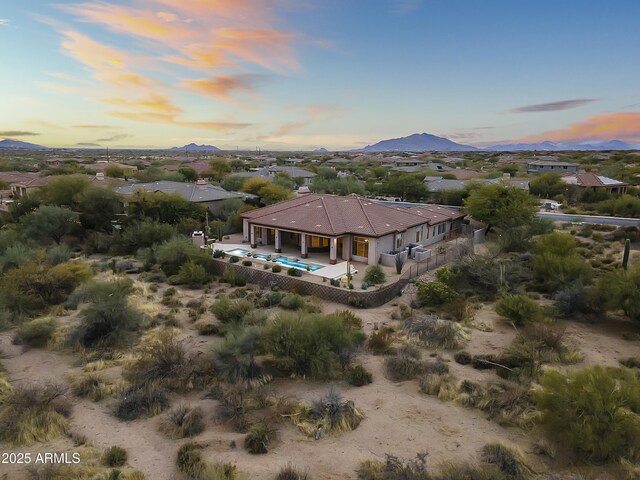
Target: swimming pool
<point x="239" y="252"/>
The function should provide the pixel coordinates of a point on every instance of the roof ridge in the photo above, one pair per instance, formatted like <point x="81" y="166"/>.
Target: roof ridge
<point x="328" y="215"/>
<point x="364" y="211"/>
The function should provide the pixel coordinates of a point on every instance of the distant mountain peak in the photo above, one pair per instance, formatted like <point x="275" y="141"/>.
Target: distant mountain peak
<point x="551" y="146"/>
<point x="417" y="142"/>
<point x="321" y="150"/>
<point x="18" y="145"/>
<point x="192" y="147"/>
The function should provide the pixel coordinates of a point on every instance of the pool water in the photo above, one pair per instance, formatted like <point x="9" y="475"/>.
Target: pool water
<point x="281" y="260"/>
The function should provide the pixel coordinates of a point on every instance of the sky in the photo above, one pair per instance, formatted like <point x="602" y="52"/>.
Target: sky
<point x="305" y="74"/>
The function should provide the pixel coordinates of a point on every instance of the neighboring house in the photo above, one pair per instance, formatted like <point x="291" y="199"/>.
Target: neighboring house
<point x="400" y="162"/>
<point x="438" y="184"/>
<point x="547" y="166"/>
<point x="337" y="161"/>
<point x="347" y="227"/>
<point x="293" y="172"/>
<point x="23" y="184"/>
<point x="209" y="196"/>
<point x="594" y="182"/>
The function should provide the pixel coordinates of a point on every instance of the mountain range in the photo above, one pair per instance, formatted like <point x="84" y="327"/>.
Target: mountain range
<point x="418" y="142"/>
<point x="8" y="144"/>
<point x="192" y="147"/>
<point x="550" y="146"/>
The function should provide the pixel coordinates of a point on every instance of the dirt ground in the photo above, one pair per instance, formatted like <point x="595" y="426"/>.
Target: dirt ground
<point x="398" y="420"/>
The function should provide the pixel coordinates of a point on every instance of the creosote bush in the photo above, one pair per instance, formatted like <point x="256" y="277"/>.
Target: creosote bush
<point x="292" y="301"/>
<point x="259" y="438"/>
<point x="35" y="333"/>
<point x="108" y="323"/>
<point x="231" y="311"/>
<point x="434" y="332"/>
<point x="508" y="460"/>
<point x="358" y="376"/>
<point x="405" y="364"/>
<point x="291" y="473"/>
<point x="435" y="293"/>
<point x="595" y="411"/>
<point x="379" y="342"/>
<point x="518" y="308"/>
<point x="141" y="401"/>
<point x="93" y="386"/>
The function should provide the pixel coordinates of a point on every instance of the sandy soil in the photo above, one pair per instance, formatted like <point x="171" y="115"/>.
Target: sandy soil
<point x="398" y="418"/>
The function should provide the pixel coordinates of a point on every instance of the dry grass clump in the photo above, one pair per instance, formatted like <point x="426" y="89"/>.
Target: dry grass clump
<point x="114" y="456"/>
<point x="163" y="360"/>
<point x="34" y="413"/>
<point x="433" y="332"/>
<point x="89" y="468"/>
<point x="440" y="385"/>
<point x="328" y="415"/>
<point x="358" y="376"/>
<point x="189" y="461"/>
<point x="94" y="387"/>
<point x="379" y="342"/>
<point x="464" y="471"/>
<point x="291" y="473"/>
<point x="206" y="327"/>
<point x="145" y="400"/>
<point x="183" y="421"/>
<point x="631" y="362"/>
<point x="510" y="461"/>
<point x="405" y="364"/>
<point x="35" y="333"/>
<point x="370" y="470"/>
<point x="5" y="387"/>
<point x="259" y="438"/>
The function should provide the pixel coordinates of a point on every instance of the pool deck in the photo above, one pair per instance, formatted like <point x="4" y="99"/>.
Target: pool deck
<point x="327" y="271"/>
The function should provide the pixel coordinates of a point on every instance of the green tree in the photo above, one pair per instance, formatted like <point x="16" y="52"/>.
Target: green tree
<point x="114" y="171"/>
<point x="408" y="186"/>
<point x="62" y="191"/>
<point x="547" y="185"/>
<point x="620" y="289"/>
<point x="218" y="169"/>
<point x="50" y="221"/>
<point x="500" y="205"/>
<point x="163" y="208"/>
<point x="272" y="193"/>
<point x="189" y="174"/>
<point x="98" y="206"/>
<point x="233" y="183"/>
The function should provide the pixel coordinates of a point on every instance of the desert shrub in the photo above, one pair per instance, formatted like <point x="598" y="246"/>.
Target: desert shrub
<point x="193" y="274"/>
<point x="350" y="320"/>
<point x="310" y="344"/>
<point x="35" y="333"/>
<point x="440" y="385"/>
<point x="247" y="263"/>
<point x="434" y="332"/>
<point x="379" y="342"/>
<point x="374" y="275"/>
<point x="93" y="387"/>
<point x="463" y="358"/>
<point x="292" y="301"/>
<point x="573" y="299"/>
<point x="358" y="376"/>
<point x="396" y="468"/>
<point x="291" y="473"/>
<point x="370" y="470"/>
<point x="484" y="361"/>
<point x="16" y="254"/>
<point x="507" y="459"/>
<point x="114" y="457"/>
<point x="328" y="415"/>
<point x="631" y="362"/>
<point x="5" y="387"/>
<point x="435" y="293"/>
<point x="259" y="438"/>
<point x="162" y="359"/>
<point x="448" y="276"/>
<point x="177" y="251"/>
<point x="141" y="401"/>
<point x="619" y="289"/>
<point x="271" y="298"/>
<point x="107" y="323"/>
<point x="234" y="259"/>
<point x="294" y="272"/>
<point x="99" y="291"/>
<point x="595" y="411"/>
<point x="235" y="360"/>
<point x="460" y="310"/>
<point x="183" y="421"/>
<point x="231" y="311"/>
<point x="34" y="413"/>
<point x="464" y="471"/>
<point x="405" y="364"/>
<point x="276" y="269"/>
<point x="518" y="308"/>
<point x="207" y="328"/>
<point x="507" y="403"/>
<point x="189" y="460"/>
<point x="57" y="254"/>
<point x="231" y="277"/>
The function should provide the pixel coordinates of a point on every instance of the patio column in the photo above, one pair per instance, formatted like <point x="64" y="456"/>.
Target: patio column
<point x="333" y="250"/>
<point x="278" y="241"/>
<point x="245" y="230"/>
<point x="304" y="253"/>
<point x="252" y="228"/>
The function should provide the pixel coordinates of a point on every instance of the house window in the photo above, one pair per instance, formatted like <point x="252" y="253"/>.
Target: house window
<point x="419" y="233"/>
<point x="398" y="240"/>
<point x="442" y="228"/>
<point x="360" y="247"/>
<point x="319" y="242"/>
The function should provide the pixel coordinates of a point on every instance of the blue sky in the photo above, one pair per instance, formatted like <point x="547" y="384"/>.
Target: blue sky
<point x="301" y="74"/>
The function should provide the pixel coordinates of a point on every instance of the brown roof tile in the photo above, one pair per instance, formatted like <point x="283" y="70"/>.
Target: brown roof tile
<point x="338" y="215"/>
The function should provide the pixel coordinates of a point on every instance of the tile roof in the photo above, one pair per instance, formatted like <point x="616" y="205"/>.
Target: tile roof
<point x="338" y="215"/>
<point x="190" y="191"/>
<point x="592" y="180"/>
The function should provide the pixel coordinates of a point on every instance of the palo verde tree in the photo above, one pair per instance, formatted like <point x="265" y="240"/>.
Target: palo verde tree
<point x="50" y="221"/>
<point x="501" y="206"/>
<point x="408" y="186"/>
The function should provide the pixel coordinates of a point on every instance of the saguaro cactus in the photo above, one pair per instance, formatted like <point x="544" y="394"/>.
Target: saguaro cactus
<point x="625" y="255"/>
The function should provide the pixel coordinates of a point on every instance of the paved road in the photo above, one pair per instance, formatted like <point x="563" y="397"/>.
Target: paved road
<point x="593" y="219"/>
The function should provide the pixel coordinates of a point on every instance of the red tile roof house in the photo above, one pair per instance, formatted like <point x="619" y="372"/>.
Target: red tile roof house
<point x="596" y="182"/>
<point x="348" y="227"/>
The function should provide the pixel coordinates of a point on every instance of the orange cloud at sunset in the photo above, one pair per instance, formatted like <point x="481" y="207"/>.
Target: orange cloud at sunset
<point x="224" y="86"/>
<point x="608" y="126"/>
